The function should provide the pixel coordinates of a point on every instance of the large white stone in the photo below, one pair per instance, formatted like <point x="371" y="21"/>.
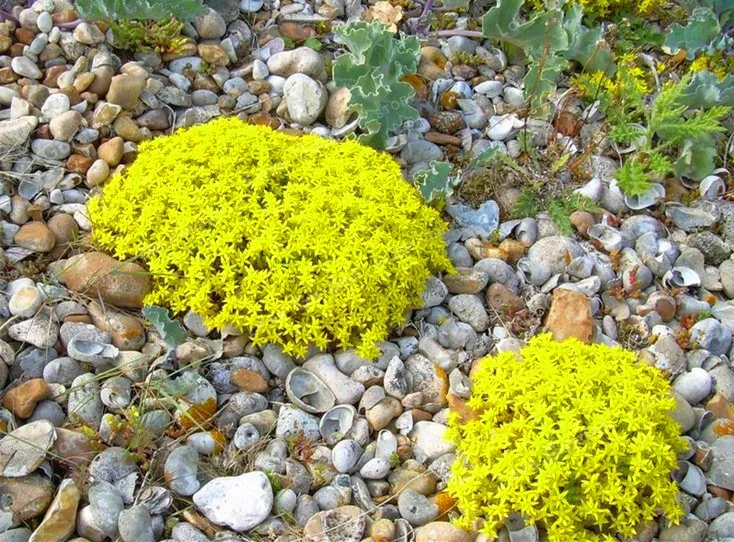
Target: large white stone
<point x="238" y="502"/>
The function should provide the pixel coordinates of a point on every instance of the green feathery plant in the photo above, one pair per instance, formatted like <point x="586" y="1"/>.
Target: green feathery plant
<point x="672" y="123"/>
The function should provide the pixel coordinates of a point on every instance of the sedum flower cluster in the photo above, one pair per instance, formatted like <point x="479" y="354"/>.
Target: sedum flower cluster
<point x="577" y="438"/>
<point x="298" y="241"/>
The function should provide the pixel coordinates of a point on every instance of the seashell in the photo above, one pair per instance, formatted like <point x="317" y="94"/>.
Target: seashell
<point x="654" y="195"/>
<point x="711" y="187"/>
<point x="596" y="305"/>
<point x="692" y="479"/>
<point x="592" y="189"/>
<point x="609" y="238"/>
<point x="336" y="423"/>
<point x="581" y="267"/>
<point x="532" y="272"/>
<point x="387" y="445"/>
<point x="370" y="398"/>
<point x="351" y="126"/>
<point x="404" y="423"/>
<point x="647" y="243"/>
<point x="92" y="352"/>
<point x="669" y="249"/>
<point x="459" y="384"/>
<point x="688" y="218"/>
<point x="634" y="145"/>
<point x="116" y="393"/>
<point x="506" y="228"/>
<point x="156" y="499"/>
<point x="527" y="231"/>
<point x="308" y="392"/>
<point x="276" y="45"/>
<point x="439" y="87"/>
<point x="396" y="143"/>
<point x="403" y="531"/>
<point x="681" y="277"/>
<point x="551" y="284"/>
<point x="703" y="420"/>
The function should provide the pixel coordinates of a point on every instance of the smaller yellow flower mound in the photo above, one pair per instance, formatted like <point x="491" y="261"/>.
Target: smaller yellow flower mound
<point x="298" y="240"/>
<point x="577" y="438"/>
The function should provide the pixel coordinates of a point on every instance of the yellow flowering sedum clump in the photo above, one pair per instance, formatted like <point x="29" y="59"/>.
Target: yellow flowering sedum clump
<point x="298" y="240"/>
<point x="577" y="438"/>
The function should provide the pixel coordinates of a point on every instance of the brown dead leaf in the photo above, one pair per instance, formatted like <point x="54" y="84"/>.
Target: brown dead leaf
<point x="385" y="13"/>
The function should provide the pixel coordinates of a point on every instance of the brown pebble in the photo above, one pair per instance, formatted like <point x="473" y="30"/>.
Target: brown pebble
<point x="52" y="76"/>
<point x="514" y="250"/>
<point x="720" y="407"/>
<point x="7" y="76"/>
<point x="503" y="300"/>
<point x="111" y="151"/>
<point x="35" y="236"/>
<point x="582" y="221"/>
<point x="25" y="36"/>
<point x="22" y="399"/>
<point x="64" y="228"/>
<point x="79" y="164"/>
<point x="247" y="380"/>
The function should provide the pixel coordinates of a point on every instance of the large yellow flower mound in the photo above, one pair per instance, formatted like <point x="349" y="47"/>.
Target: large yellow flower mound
<point x="577" y="438"/>
<point x="298" y="241"/>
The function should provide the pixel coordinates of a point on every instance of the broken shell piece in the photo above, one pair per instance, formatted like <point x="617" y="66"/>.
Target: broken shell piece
<point x="681" y="277"/>
<point x="308" y="392"/>
<point x="654" y="195"/>
<point x="608" y="237"/>
<point x="711" y="187"/>
<point x="336" y="423"/>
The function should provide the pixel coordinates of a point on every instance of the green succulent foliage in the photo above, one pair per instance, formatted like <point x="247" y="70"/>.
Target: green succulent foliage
<point x="707" y="29"/>
<point x="436" y="184"/>
<point x="157" y="10"/>
<point x="372" y="69"/>
<point x="172" y="333"/>
<point x="706" y="90"/>
<point x="550" y="39"/>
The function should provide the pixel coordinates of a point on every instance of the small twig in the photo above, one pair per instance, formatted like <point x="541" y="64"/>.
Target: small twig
<point x="456" y="32"/>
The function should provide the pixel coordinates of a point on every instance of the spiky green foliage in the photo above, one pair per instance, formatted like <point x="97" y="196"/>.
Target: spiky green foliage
<point x="372" y="70"/>
<point x="558" y="435"/>
<point x="707" y="29"/>
<point x="550" y="39"/>
<point x="671" y="127"/>
<point x="436" y="183"/>
<point x="534" y="200"/>
<point x="170" y="331"/>
<point x="157" y="10"/>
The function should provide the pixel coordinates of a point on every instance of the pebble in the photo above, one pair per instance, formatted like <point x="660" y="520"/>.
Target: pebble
<point x="302" y="60"/>
<point x="22" y="399"/>
<point x="305" y="98"/>
<point x="238" y="502"/>
<point x="123" y="284"/>
<point x="416" y="508"/>
<point x="22" y="451"/>
<point x="428" y="436"/>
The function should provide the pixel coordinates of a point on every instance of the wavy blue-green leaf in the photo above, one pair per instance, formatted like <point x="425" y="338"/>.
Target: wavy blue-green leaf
<point x="158" y="10"/>
<point x="172" y="333"/>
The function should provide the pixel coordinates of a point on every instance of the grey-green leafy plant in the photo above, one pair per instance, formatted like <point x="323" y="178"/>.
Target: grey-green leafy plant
<point x="679" y="135"/>
<point x="707" y="30"/>
<point x="706" y="90"/>
<point x="550" y="40"/>
<point x="172" y="333"/>
<point x="436" y="184"/>
<point x="157" y="10"/>
<point x="372" y="69"/>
